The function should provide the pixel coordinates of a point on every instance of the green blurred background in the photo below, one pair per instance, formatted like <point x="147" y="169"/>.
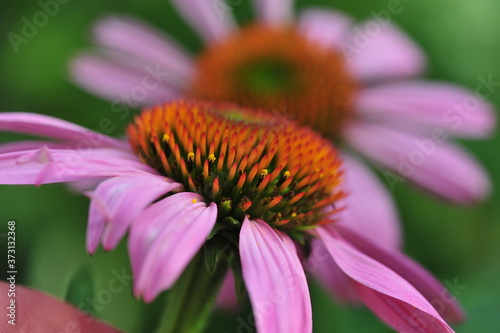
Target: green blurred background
<point x="462" y="40"/>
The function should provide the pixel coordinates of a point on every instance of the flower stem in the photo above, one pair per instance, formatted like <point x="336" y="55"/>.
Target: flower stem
<point x="190" y="301"/>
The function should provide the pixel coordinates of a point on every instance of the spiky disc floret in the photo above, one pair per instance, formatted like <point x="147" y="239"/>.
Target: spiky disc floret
<point x="247" y="162"/>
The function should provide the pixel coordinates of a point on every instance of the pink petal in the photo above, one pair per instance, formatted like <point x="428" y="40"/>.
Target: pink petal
<point x="121" y="81"/>
<point x="321" y="265"/>
<point x="401" y="316"/>
<point x="45" y="165"/>
<point x="116" y="202"/>
<point x="437" y="166"/>
<point x="38" y="312"/>
<point x="226" y="299"/>
<point x="432" y="104"/>
<point x="211" y="19"/>
<point x="391" y="297"/>
<point x="85" y="185"/>
<point x="376" y="50"/>
<point x="326" y="27"/>
<point x="49" y="127"/>
<point x="168" y="235"/>
<point x="275" y="280"/>
<point x="130" y="35"/>
<point x="423" y="281"/>
<point x="276" y="12"/>
<point x="147" y="226"/>
<point x="369" y="207"/>
<point x="17" y="146"/>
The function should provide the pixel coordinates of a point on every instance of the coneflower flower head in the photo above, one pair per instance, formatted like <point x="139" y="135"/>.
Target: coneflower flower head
<point x="247" y="162"/>
<point x="203" y="187"/>
<point x="278" y="68"/>
<point x="352" y="82"/>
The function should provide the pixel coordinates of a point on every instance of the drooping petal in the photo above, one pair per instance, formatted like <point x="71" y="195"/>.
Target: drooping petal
<point x="326" y="27"/>
<point x="211" y="19"/>
<point x="375" y="50"/>
<point x="391" y="297"/>
<point x="49" y="127"/>
<point x="401" y="316"/>
<point x="439" y="167"/>
<point x="276" y="12"/>
<point x="140" y="39"/>
<point x="150" y="223"/>
<point x="274" y="279"/>
<point x="116" y="201"/>
<point x="165" y="237"/>
<point x="226" y="299"/>
<point x="369" y="206"/>
<point x="44" y="165"/>
<point x="321" y="265"/>
<point x="423" y="281"/>
<point x="121" y="82"/>
<point x="38" y="312"/>
<point x="435" y="105"/>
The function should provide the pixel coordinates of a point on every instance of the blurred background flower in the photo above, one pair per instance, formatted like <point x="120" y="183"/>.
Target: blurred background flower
<point x="353" y="83"/>
<point x="461" y="41"/>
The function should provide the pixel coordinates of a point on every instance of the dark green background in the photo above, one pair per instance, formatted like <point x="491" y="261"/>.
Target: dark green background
<point x="462" y="39"/>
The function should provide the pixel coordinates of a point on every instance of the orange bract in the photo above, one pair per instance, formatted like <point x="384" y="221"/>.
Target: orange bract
<point x="248" y="162"/>
<point x="279" y="70"/>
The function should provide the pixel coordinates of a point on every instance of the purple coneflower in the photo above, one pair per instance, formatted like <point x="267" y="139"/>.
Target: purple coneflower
<point x="348" y="82"/>
<point x="219" y="186"/>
